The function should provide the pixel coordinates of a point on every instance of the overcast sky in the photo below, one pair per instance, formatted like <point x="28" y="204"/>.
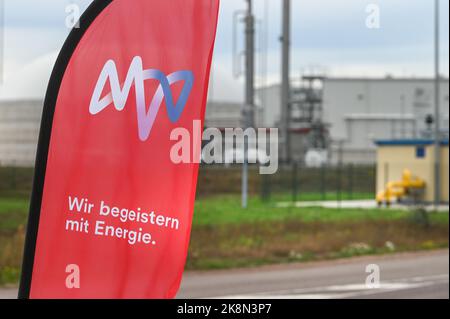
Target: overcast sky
<point x="328" y="35"/>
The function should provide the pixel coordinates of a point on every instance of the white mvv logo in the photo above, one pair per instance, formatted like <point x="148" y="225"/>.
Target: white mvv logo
<point x="137" y="75"/>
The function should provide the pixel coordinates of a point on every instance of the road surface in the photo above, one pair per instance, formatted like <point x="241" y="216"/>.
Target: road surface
<point x="409" y="275"/>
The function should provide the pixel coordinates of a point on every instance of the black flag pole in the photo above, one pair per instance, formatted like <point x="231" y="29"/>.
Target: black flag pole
<point x="51" y="96"/>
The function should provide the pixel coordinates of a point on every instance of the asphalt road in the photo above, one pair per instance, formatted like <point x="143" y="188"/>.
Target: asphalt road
<point x="410" y="275"/>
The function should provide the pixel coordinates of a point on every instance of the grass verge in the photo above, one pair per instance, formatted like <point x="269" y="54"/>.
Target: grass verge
<point x="224" y="235"/>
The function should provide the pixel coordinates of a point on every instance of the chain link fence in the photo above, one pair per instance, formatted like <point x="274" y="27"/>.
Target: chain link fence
<point x="15" y="181"/>
<point x="299" y="183"/>
<point x="291" y="182"/>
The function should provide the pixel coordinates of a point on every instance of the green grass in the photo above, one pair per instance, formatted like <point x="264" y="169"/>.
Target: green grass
<point x="224" y="235"/>
<point x="13" y="213"/>
<point x="15" y="181"/>
<point x="228" y="210"/>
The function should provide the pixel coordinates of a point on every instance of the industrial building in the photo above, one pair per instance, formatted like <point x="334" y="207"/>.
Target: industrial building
<point x="341" y="116"/>
<point x="359" y="111"/>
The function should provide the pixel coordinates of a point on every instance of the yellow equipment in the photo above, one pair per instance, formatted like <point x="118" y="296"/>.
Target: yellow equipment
<point x="409" y="185"/>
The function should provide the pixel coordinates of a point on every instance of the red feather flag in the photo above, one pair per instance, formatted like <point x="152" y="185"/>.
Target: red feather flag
<point x="111" y="213"/>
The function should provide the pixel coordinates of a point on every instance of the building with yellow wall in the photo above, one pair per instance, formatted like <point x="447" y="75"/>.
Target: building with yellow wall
<point x="418" y="156"/>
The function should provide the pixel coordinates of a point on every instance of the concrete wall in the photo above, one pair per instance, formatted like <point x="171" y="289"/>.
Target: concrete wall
<point x="19" y="130"/>
<point x="352" y="156"/>
<point x="392" y="160"/>
<point x="269" y="99"/>
<point x="223" y="115"/>
<point x="20" y="123"/>
<point x="229" y="115"/>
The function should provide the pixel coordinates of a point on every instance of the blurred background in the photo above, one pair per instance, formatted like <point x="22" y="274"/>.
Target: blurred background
<point x="359" y="92"/>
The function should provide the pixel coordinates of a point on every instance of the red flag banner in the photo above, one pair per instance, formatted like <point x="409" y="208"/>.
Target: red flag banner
<point x="111" y="213"/>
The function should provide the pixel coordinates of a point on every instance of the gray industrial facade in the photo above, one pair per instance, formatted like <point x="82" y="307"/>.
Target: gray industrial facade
<point x="361" y="111"/>
<point x="19" y="130"/>
<point x="357" y="111"/>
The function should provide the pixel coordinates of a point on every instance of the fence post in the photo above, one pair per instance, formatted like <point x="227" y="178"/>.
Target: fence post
<point x="386" y="174"/>
<point x="339" y="190"/>
<point x="322" y="181"/>
<point x="350" y="181"/>
<point x="13" y="177"/>
<point x="374" y="178"/>
<point x="265" y="188"/>
<point x="294" y="182"/>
